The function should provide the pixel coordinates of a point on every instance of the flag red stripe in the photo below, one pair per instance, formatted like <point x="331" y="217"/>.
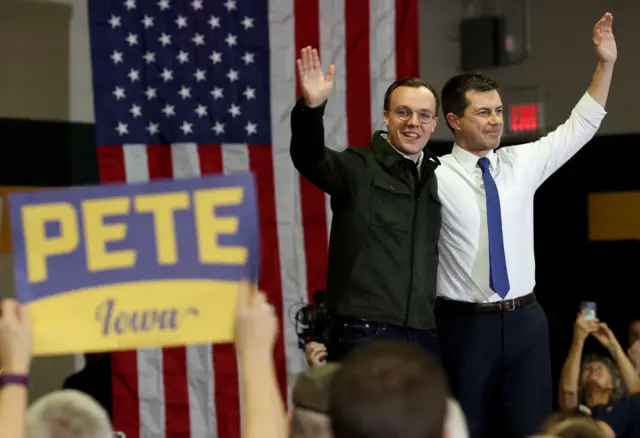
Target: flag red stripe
<point x="124" y="366"/>
<point x="125" y="393"/>
<point x="261" y="164"/>
<point x="111" y="164"/>
<point x="407" y="63"/>
<point x="210" y="158"/>
<point x="176" y="392"/>
<point x="358" y="79"/>
<point x="174" y="360"/>
<point x="312" y="199"/>
<point x="226" y="396"/>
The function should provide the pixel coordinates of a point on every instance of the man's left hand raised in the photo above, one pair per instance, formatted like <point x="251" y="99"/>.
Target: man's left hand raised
<point x="604" y="41"/>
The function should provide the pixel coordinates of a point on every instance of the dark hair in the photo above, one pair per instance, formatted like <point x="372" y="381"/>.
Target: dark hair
<point x="388" y="389"/>
<point x="454" y="92"/>
<point x="410" y="82"/>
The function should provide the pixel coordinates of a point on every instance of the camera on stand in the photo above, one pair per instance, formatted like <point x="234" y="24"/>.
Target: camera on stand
<point x="313" y="321"/>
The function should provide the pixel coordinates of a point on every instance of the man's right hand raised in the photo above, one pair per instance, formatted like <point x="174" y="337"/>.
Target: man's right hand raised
<point x="314" y="84"/>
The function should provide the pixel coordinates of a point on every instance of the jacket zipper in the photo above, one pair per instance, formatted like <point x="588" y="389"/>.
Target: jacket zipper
<point x="413" y="243"/>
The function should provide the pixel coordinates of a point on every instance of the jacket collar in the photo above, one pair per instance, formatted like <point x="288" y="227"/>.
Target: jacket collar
<point x="389" y="156"/>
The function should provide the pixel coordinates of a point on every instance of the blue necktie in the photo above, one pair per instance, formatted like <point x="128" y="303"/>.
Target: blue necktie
<point x="497" y="263"/>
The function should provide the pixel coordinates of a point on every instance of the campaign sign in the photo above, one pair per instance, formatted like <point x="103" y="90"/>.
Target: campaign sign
<point x="118" y="267"/>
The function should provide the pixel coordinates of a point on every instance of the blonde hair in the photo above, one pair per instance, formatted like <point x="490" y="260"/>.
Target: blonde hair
<point x="564" y="425"/>
<point x="67" y="414"/>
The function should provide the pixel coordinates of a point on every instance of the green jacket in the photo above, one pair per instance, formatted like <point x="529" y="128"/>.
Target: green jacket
<point x="383" y="249"/>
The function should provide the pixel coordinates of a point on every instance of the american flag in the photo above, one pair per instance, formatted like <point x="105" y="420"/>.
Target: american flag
<point x="184" y="88"/>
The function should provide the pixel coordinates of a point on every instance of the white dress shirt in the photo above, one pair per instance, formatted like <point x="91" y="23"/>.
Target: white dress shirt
<point x="518" y="171"/>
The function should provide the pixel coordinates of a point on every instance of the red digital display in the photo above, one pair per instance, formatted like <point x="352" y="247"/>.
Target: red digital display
<point x="524" y="117"/>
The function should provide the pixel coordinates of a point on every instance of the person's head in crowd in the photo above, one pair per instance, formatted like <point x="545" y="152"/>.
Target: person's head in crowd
<point x="600" y="380"/>
<point x="570" y="425"/>
<point x="388" y="389"/>
<point x="634" y="343"/>
<point x="67" y="414"/>
<point x="634" y="331"/>
<point x="310" y="412"/>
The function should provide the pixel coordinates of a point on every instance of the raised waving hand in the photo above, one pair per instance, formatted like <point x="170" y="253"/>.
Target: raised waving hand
<point x="315" y="85"/>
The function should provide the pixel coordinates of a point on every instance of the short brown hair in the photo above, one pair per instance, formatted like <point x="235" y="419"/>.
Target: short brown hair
<point x="412" y="82"/>
<point x="388" y="389"/>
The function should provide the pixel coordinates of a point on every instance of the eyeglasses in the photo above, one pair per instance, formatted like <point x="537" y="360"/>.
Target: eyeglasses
<point x="405" y="113"/>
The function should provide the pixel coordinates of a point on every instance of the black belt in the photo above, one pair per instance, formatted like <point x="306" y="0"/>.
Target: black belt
<point x="499" y="306"/>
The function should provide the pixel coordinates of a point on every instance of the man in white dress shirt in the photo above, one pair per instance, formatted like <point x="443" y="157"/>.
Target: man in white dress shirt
<point x="494" y="335"/>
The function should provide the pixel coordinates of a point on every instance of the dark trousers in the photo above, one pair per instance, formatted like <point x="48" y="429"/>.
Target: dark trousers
<point x="499" y="368"/>
<point x="350" y="333"/>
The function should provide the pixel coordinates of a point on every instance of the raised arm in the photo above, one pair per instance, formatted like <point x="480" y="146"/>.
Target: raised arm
<point x="607" y="52"/>
<point x="319" y="164"/>
<point x="570" y="376"/>
<point x="542" y="158"/>
<point x="628" y="373"/>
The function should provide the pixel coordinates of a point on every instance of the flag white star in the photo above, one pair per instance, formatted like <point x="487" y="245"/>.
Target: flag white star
<point x="217" y="93"/>
<point x="149" y="57"/>
<point x="119" y="93"/>
<point x="216" y="57"/>
<point x="169" y="110"/>
<point x="151" y="93"/>
<point x="153" y="128"/>
<point x="233" y="75"/>
<point x="218" y="127"/>
<point x="122" y="128"/>
<point x="115" y="21"/>
<point x="200" y="75"/>
<point x="187" y="128"/>
<point x="230" y="5"/>
<point x="231" y="40"/>
<point x="167" y="75"/>
<point x="251" y="128"/>
<point x="248" y="58"/>
<point x="163" y="5"/>
<point x="165" y="39"/>
<point x="134" y="75"/>
<point x="198" y="39"/>
<point x="214" y="22"/>
<point x="132" y="40"/>
<point x="247" y="22"/>
<point x="147" y="21"/>
<point x="182" y="57"/>
<point x="136" y="111"/>
<point x="130" y="4"/>
<point x="234" y="110"/>
<point x="196" y="4"/>
<point x="181" y="21"/>
<point x="117" y="57"/>
<point x="185" y="92"/>
<point x="201" y="110"/>
<point x="249" y="93"/>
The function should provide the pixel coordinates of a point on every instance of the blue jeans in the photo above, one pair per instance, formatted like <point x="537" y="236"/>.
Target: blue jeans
<point x="350" y="333"/>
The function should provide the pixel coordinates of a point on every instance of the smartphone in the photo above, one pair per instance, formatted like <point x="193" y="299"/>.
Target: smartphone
<point x="588" y="309"/>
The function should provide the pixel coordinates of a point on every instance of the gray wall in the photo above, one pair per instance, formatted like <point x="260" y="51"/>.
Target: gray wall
<point x="561" y="62"/>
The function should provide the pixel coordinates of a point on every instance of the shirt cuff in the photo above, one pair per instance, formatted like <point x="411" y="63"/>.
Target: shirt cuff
<point x="591" y="110"/>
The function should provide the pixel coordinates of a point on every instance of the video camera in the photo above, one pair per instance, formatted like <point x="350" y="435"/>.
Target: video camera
<point x="313" y="322"/>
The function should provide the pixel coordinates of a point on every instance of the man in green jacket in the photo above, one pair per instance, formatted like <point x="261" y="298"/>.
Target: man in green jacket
<point x="383" y="254"/>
